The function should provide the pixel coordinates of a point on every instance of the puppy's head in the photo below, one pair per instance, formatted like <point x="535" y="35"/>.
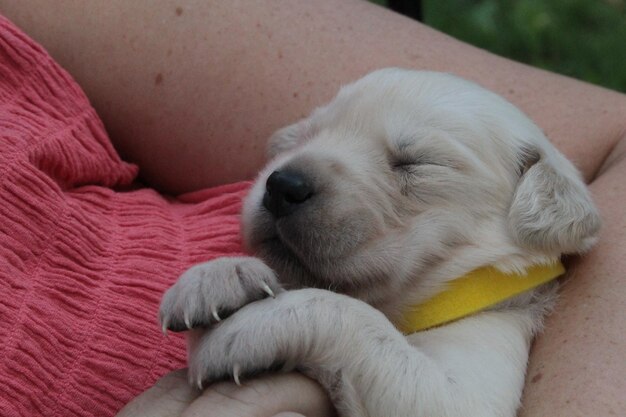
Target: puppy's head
<point x="405" y="171"/>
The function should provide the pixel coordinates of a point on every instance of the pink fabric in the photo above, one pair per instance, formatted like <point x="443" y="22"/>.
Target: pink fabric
<point x="83" y="260"/>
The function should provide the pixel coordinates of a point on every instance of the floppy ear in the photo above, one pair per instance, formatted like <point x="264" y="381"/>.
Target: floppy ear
<point x="288" y="137"/>
<point x="551" y="208"/>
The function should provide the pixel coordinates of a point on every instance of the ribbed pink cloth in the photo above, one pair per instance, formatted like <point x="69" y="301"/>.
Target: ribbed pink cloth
<point x="84" y="262"/>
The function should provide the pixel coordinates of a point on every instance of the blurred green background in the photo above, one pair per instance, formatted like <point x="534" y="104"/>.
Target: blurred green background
<point x="585" y="39"/>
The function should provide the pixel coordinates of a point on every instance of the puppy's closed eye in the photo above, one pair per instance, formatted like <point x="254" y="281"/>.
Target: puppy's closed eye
<point x="411" y="154"/>
<point x="419" y="172"/>
<point x="428" y="182"/>
<point x="411" y="163"/>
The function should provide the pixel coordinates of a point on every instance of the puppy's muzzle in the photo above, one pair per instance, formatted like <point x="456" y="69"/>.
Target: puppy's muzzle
<point x="285" y="192"/>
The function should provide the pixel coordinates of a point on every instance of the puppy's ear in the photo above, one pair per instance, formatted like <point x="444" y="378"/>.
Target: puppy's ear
<point x="288" y="137"/>
<point x="551" y="209"/>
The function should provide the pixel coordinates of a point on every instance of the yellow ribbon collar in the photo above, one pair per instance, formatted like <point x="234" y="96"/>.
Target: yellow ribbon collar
<point x="474" y="292"/>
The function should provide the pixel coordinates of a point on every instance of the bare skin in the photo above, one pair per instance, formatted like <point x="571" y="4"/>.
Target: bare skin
<point x="191" y="90"/>
<point x="172" y="396"/>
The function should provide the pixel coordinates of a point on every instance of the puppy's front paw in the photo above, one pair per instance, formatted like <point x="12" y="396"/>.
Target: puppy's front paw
<point x="208" y="292"/>
<point x="300" y="328"/>
<point x="259" y="337"/>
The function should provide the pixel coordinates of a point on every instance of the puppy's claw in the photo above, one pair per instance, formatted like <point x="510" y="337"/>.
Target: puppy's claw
<point x="215" y="315"/>
<point x="268" y="290"/>
<point x="199" y="383"/>
<point x="187" y="320"/>
<point x="164" y="325"/>
<point x="236" y="371"/>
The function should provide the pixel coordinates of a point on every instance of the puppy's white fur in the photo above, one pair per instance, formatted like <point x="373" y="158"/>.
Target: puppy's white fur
<point x="417" y="178"/>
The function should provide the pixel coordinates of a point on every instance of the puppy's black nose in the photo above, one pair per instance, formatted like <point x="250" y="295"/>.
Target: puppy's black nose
<point x="285" y="191"/>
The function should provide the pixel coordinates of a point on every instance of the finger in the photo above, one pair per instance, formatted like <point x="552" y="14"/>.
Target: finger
<point x="264" y="396"/>
<point x="167" y="398"/>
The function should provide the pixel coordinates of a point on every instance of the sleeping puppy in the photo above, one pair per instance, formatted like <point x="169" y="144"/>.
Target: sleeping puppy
<point x="374" y="204"/>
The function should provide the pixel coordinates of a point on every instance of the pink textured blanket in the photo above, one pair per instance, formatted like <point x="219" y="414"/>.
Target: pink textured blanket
<point x="83" y="264"/>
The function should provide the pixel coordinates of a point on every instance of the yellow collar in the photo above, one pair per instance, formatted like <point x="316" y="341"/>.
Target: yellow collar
<point x="474" y="292"/>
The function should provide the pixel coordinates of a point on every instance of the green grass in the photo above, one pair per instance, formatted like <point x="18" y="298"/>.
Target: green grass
<point x="585" y="39"/>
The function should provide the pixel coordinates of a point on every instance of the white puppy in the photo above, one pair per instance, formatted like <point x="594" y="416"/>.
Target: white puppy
<point x="371" y="206"/>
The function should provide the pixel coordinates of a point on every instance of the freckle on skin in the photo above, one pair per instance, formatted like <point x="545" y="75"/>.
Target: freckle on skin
<point x="295" y="94"/>
<point x="158" y="79"/>
<point x="179" y="11"/>
<point x="536" y="378"/>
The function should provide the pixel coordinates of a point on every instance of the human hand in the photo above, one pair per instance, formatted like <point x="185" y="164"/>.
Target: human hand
<point x="272" y="395"/>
